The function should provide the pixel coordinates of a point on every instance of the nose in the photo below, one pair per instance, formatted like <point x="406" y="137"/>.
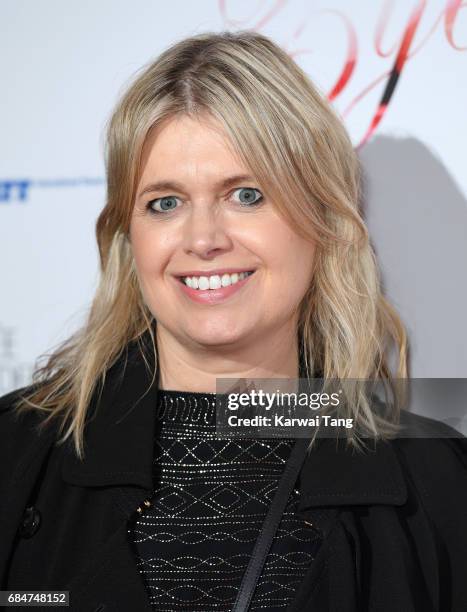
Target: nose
<point x="204" y="233"/>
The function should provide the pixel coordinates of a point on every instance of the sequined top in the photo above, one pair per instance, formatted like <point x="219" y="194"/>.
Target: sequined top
<point x="193" y="543"/>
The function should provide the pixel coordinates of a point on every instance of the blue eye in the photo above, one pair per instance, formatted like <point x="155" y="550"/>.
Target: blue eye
<point x="247" y="198"/>
<point x="167" y="203"/>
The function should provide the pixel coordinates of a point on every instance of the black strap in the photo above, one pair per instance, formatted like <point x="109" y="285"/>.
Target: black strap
<point x="270" y="525"/>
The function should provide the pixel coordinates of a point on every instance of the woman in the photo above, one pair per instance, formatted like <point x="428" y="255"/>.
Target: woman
<point x="231" y="247"/>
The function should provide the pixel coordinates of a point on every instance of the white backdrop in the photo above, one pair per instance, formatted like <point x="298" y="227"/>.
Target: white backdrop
<point x="65" y="63"/>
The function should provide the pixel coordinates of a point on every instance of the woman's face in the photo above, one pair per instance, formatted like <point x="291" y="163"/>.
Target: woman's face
<point x="201" y="222"/>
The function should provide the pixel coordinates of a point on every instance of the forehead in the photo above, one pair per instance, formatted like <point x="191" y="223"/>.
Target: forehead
<point x="184" y="145"/>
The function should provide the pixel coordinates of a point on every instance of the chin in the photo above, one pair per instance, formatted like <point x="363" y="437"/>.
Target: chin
<point x="216" y="335"/>
<point x="213" y="340"/>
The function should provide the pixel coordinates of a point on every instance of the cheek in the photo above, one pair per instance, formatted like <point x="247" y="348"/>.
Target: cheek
<point x="149" y="264"/>
<point x="292" y="257"/>
<point x="147" y="249"/>
<point x="295" y="279"/>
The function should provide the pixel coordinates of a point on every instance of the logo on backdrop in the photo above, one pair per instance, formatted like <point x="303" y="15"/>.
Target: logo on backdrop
<point x="18" y="190"/>
<point x="13" y="373"/>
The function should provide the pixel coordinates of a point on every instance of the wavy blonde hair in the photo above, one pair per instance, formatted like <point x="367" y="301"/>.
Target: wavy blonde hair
<point x="293" y="141"/>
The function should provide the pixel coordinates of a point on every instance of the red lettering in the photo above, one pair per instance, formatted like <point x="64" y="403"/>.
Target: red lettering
<point x="452" y="10"/>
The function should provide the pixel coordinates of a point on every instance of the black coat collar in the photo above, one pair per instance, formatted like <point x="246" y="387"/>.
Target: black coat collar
<point x="119" y="441"/>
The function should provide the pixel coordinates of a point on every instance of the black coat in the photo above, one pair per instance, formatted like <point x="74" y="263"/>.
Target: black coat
<point x="394" y="519"/>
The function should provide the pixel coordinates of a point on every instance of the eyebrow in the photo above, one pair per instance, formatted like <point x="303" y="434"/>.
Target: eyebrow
<point x="173" y="185"/>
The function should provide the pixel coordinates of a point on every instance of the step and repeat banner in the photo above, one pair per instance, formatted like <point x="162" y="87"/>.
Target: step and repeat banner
<point x="396" y="70"/>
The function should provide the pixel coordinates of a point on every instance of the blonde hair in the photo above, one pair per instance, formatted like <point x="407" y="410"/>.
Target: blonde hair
<point x="293" y="141"/>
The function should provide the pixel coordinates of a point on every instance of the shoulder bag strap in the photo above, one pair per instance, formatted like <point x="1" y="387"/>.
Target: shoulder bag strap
<point x="270" y="525"/>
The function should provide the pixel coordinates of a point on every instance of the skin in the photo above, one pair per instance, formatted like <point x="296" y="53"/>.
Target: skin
<point x="253" y="333"/>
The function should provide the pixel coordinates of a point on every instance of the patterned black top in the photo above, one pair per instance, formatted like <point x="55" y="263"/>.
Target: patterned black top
<point x="193" y="544"/>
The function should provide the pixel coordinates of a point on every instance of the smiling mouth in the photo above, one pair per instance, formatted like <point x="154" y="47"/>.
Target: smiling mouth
<point x="216" y="281"/>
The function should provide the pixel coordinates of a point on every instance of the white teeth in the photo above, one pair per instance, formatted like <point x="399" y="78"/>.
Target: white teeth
<point x="203" y="282"/>
<point x="215" y="281"/>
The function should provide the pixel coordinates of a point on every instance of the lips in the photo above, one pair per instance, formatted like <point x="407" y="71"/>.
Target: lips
<point x="214" y="281"/>
<point x="218" y="293"/>
<point x="216" y="272"/>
